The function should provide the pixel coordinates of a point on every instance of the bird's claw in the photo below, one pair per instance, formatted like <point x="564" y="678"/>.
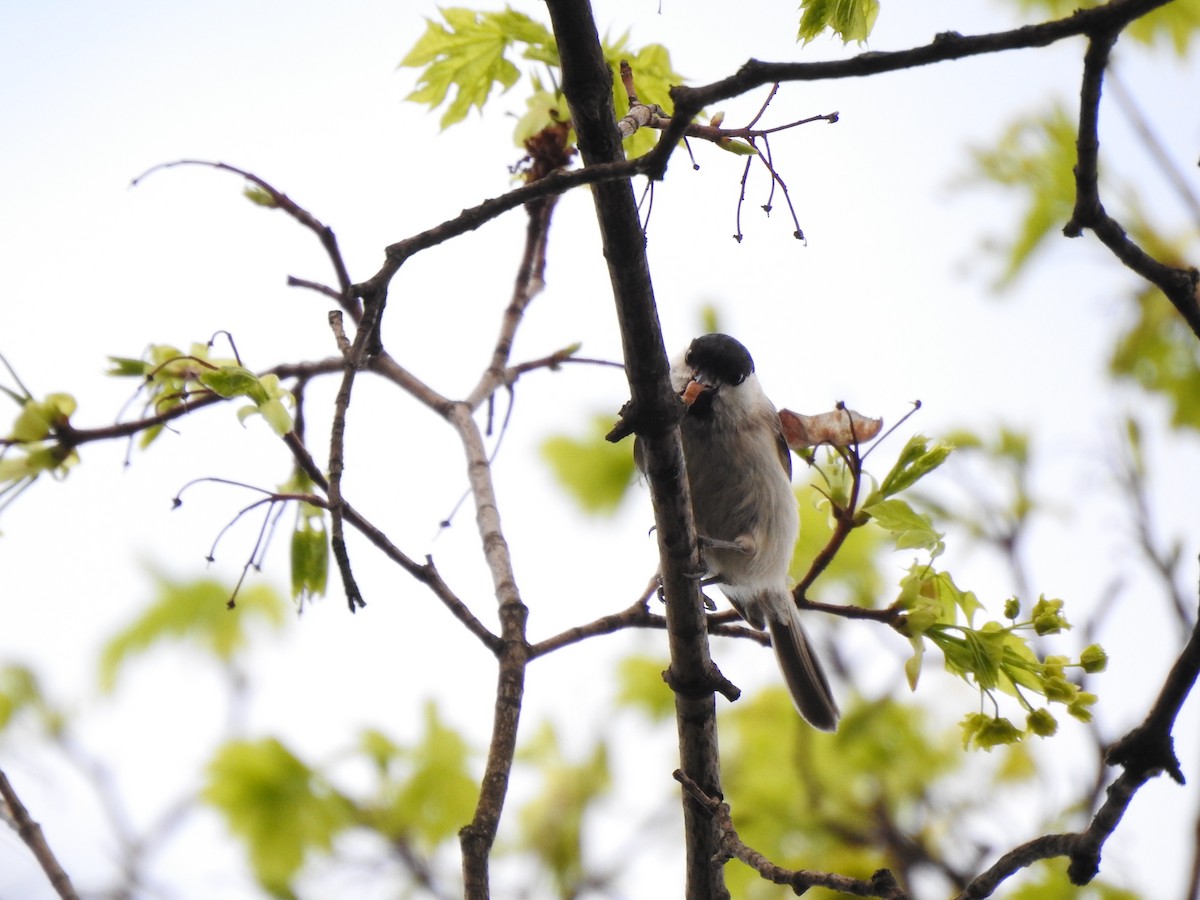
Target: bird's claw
<point x="741" y="545"/>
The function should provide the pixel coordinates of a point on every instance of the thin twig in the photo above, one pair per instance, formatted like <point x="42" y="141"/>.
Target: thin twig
<point x="881" y="885"/>
<point x="324" y="233"/>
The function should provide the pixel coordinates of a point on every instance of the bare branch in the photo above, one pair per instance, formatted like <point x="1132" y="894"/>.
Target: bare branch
<point x="689" y="101"/>
<point x="881" y="885"/>
<point x="31" y="833"/>
<point x="637" y="615"/>
<point x="324" y="233"/>
<point x="531" y="272"/>
<point x="1179" y="285"/>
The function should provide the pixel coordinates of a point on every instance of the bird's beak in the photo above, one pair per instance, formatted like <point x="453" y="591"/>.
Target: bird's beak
<point x="696" y="388"/>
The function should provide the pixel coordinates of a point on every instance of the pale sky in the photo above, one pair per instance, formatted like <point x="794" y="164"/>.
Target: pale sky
<point x="887" y="303"/>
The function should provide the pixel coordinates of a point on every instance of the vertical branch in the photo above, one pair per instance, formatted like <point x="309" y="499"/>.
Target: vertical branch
<point x="548" y="154"/>
<point x="477" y="838"/>
<point x="366" y="336"/>
<point x="512" y="650"/>
<point x="1179" y="285"/>
<point x="654" y="410"/>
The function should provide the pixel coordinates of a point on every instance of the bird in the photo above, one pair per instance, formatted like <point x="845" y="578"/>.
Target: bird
<point x="739" y="472"/>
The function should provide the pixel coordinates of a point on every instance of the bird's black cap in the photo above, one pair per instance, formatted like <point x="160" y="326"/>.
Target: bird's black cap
<point x="721" y="356"/>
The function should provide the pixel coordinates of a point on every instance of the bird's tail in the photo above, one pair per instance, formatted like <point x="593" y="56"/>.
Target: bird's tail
<point x="801" y="670"/>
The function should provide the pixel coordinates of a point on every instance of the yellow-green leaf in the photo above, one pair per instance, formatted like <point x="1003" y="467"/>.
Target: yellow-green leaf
<point x="192" y="612"/>
<point x="594" y="471"/>
<point x="277" y="805"/>
<point x="851" y="20"/>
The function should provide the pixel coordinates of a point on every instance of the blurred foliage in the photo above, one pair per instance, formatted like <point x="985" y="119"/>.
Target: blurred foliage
<point x="1035" y="156"/>
<point x="280" y="807"/>
<point x="423" y="793"/>
<point x="594" y="471"/>
<point x="995" y="473"/>
<point x="1175" y="22"/>
<point x="1160" y="354"/>
<point x="885" y="790"/>
<point x="1048" y="881"/>
<point x="196" y="613"/>
<point x="640" y="686"/>
<point x="20" y="691"/>
<point x="854" y="801"/>
<point x="852" y="576"/>
<point x="31" y="446"/>
<point x="552" y="823"/>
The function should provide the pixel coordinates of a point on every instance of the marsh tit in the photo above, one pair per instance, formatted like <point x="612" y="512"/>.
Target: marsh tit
<point x="740" y="473"/>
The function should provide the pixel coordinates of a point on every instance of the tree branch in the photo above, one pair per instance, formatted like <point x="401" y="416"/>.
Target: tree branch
<point x="280" y="200"/>
<point x="587" y="84"/>
<point x="477" y="837"/>
<point x="1179" y="285"/>
<point x="689" y="101"/>
<point x="31" y="833"/>
<point x="1145" y="752"/>
<point x="881" y="885"/>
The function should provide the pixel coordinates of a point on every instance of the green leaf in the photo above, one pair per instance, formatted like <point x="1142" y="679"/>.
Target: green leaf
<point x="1036" y="157"/>
<point x="551" y="824"/>
<point x="916" y="460"/>
<point x="851" y="20"/>
<point x="542" y="109"/>
<point x="38" y="418"/>
<point x="266" y="392"/>
<point x="910" y="529"/>
<point x="127" y="367"/>
<point x="737" y="147"/>
<point x="192" y="612"/>
<point x="1177" y="22"/>
<point x="429" y="792"/>
<point x="925" y="588"/>
<point x="970" y="653"/>
<point x="595" y="472"/>
<point x="259" y="196"/>
<point x="309" y="557"/>
<point x="275" y="414"/>
<point x="912" y="665"/>
<point x="467" y="53"/>
<point x="233" y="381"/>
<point x="653" y="77"/>
<point x="19" y="690"/>
<point x="277" y="805"/>
<point x="1159" y="353"/>
<point x="31" y="460"/>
